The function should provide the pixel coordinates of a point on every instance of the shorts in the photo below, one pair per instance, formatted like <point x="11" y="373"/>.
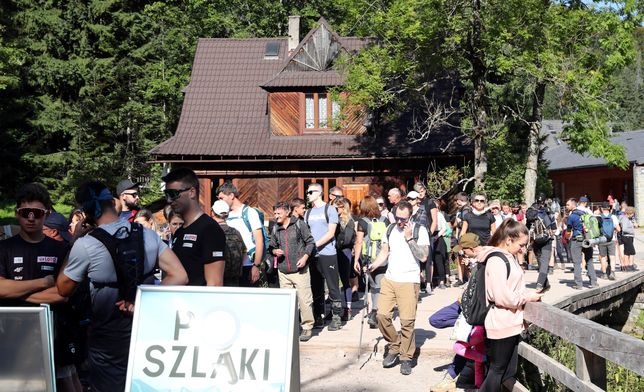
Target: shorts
<point x="606" y="249"/>
<point x="629" y="249"/>
<point x="620" y="239"/>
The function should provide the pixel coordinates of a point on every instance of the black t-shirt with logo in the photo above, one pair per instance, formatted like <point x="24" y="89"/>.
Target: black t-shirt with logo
<point x="201" y="243"/>
<point x="21" y="260"/>
<point x="480" y="225"/>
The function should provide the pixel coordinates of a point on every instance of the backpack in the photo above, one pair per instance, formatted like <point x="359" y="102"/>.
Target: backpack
<point x="244" y="215"/>
<point x="608" y="227"/>
<point x="540" y="233"/>
<point x="233" y="256"/>
<point x="127" y="251"/>
<point x="590" y="224"/>
<point x="473" y="301"/>
<point x="326" y="213"/>
<point x="372" y="241"/>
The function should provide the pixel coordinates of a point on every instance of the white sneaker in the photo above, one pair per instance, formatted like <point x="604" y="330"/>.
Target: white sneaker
<point x="447" y="385"/>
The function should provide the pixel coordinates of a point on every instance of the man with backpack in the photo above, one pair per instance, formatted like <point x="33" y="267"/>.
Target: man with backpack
<point x="609" y="226"/>
<point x="200" y="243"/>
<point x="541" y="227"/>
<point x="103" y="256"/>
<point x="291" y="242"/>
<point x="235" y="248"/>
<point x="576" y="237"/>
<point x="405" y="245"/>
<point x="323" y="219"/>
<point x="250" y="225"/>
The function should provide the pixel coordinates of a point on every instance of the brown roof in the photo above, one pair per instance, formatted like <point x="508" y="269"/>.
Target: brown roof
<point x="225" y="109"/>
<point x="305" y="79"/>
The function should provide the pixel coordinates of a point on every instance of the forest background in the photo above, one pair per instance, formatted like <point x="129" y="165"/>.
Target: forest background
<point x="87" y="88"/>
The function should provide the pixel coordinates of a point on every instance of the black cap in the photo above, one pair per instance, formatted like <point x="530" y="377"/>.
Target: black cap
<point x="124" y="185"/>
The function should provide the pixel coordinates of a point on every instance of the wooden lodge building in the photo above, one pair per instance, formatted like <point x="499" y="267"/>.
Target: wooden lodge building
<point x="257" y="112"/>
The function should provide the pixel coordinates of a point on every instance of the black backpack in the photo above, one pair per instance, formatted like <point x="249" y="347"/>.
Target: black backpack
<point x="473" y="304"/>
<point x="233" y="256"/>
<point x="128" y="255"/>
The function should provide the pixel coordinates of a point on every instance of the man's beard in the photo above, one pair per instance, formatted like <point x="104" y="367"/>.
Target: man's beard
<point x="132" y="206"/>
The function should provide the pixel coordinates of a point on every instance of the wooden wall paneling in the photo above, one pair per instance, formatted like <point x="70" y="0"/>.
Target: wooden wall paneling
<point x="288" y="189"/>
<point x="284" y="111"/>
<point x="247" y="188"/>
<point x="266" y="195"/>
<point x="353" y="120"/>
<point x="205" y="194"/>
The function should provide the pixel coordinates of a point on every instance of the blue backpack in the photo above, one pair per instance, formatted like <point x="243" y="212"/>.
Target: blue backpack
<point x="608" y="228"/>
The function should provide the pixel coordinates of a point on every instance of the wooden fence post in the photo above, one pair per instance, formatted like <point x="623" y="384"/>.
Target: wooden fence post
<point x="590" y="367"/>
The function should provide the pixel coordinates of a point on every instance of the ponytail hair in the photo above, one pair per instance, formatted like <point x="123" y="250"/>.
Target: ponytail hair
<point x="508" y="229"/>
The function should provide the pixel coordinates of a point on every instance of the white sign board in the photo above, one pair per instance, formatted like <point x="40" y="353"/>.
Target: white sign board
<point x="26" y="349"/>
<point x="214" y="339"/>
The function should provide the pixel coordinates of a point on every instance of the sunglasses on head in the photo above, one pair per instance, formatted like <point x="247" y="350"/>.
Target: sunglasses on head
<point x="26" y="213"/>
<point x="174" y="194"/>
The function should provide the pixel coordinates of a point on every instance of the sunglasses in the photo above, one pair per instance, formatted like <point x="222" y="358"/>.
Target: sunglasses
<point x="479" y="200"/>
<point x="411" y="198"/>
<point x="311" y="192"/>
<point x="133" y="194"/>
<point x="381" y="204"/>
<point x="27" y="213"/>
<point x="333" y="194"/>
<point x="174" y="194"/>
<point x="401" y="220"/>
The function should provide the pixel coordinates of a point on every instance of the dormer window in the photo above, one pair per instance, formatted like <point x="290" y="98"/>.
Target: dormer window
<point x="320" y="112"/>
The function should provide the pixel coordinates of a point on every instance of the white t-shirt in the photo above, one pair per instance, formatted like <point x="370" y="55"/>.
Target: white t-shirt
<point x="403" y="266"/>
<point x="236" y="221"/>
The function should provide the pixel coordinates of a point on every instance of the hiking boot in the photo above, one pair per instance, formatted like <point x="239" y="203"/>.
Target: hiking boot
<point x="372" y="321"/>
<point x="306" y="335"/>
<point x="611" y="276"/>
<point x="335" y="324"/>
<point x="405" y="368"/>
<point x="543" y="288"/>
<point x="447" y="385"/>
<point x="390" y="360"/>
<point x="318" y="323"/>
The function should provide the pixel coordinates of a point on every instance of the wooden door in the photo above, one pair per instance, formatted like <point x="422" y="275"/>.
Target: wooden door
<point x="355" y="193"/>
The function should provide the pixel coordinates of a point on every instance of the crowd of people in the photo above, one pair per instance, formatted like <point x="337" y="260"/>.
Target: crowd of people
<point x="398" y="251"/>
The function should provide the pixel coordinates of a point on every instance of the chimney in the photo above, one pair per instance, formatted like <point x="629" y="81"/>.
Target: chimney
<point x="293" y="33"/>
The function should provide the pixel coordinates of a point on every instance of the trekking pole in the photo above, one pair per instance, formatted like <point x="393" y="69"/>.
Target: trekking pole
<point x="366" y="309"/>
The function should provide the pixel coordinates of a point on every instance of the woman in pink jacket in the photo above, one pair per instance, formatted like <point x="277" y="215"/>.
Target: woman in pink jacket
<point x="504" y="321"/>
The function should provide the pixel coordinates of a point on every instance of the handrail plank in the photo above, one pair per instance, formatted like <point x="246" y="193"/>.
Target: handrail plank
<point x="558" y="371"/>
<point x="612" y="345"/>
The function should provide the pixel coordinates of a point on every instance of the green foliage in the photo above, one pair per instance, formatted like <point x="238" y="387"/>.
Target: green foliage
<point x="440" y="181"/>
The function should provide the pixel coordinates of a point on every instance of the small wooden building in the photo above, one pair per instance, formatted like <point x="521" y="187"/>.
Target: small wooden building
<point x="574" y="175"/>
<point x="258" y="112"/>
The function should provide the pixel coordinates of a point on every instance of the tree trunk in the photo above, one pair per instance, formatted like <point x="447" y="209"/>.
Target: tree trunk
<point x="478" y="104"/>
<point x="530" y="183"/>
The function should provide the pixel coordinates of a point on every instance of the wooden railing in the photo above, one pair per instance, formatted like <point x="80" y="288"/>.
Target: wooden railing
<point x="595" y="344"/>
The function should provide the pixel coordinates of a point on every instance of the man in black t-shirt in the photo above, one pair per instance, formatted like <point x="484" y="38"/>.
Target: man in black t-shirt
<point x="29" y="262"/>
<point x="200" y="243"/>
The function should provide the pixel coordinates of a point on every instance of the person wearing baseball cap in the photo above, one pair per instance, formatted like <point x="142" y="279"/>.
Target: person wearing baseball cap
<point x="468" y="244"/>
<point x="128" y="193"/>
<point x="56" y="226"/>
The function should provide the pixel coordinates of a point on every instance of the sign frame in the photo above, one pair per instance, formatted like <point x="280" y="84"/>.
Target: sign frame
<point x="46" y="340"/>
<point x="292" y="373"/>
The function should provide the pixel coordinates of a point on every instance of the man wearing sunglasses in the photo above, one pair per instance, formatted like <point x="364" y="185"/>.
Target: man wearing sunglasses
<point x="323" y="219"/>
<point x="400" y="287"/>
<point x="200" y="242"/>
<point x="335" y="193"/>
<point x="128" y="194"/>
<point x="29" y="262"/>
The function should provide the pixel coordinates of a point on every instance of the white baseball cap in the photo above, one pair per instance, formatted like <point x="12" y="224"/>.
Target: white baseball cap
<point x="220" y="208"/>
